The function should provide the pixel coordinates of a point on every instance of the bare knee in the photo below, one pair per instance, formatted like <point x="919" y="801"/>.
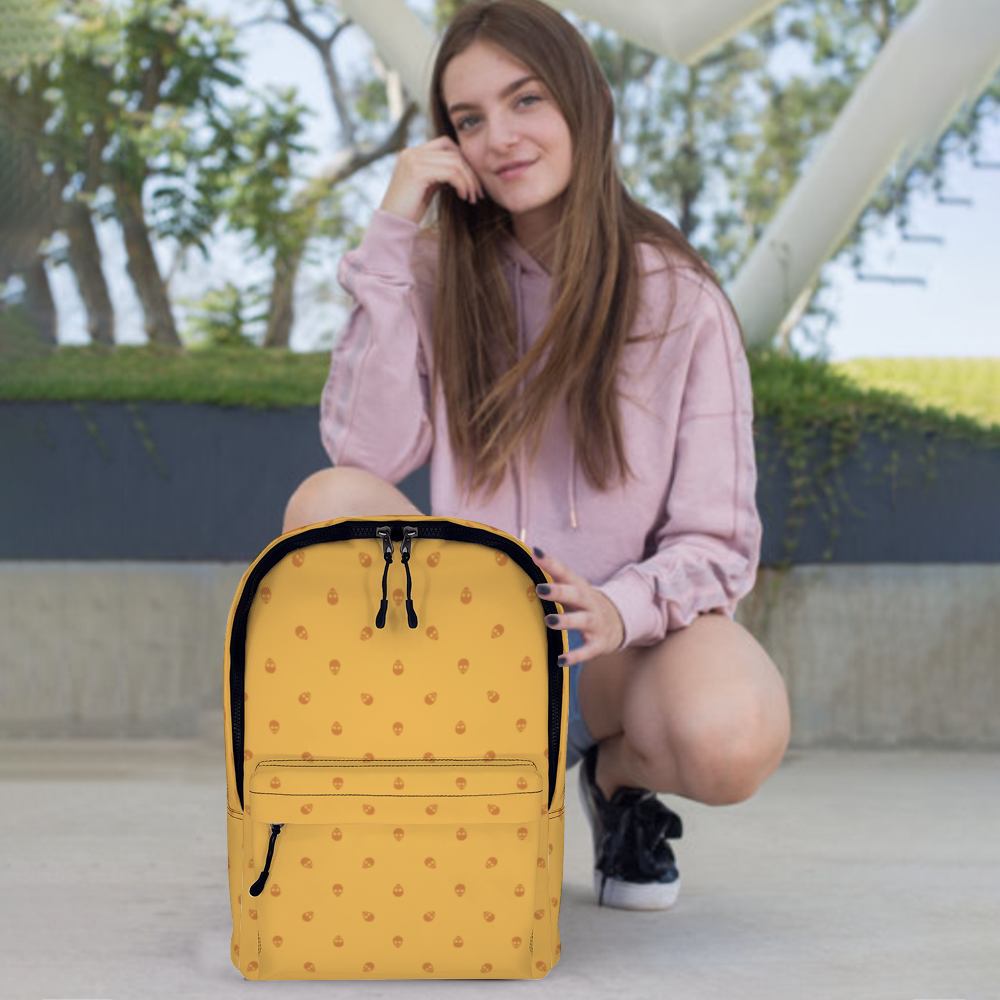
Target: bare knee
<point x="722" y="773"/>
<point x="718" y="753"/>
<point x="340" y="491"/>
<point x="713" y="715"/>
<point x="314" y="497"/>
<point x="725" y="759"/>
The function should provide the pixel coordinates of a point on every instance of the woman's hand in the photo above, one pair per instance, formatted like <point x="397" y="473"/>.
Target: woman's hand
<point x="421" y="170"/>
<point x="586" y="609"/>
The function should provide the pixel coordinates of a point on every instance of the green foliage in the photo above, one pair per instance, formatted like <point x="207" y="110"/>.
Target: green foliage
<point x="968" y="387"/>
<point x="223" y="376"/>
<point x="805" y="393"/>
<point x="177" y="64"/>
<point x="28" y="34"/>
<point x="223" y="317"/>
<point x="18" y="338"/>
<point x="813" y="393"/>
<point x="821" y="413"/>
<point x="371" y="101"/>
<point x="147" y="94"/>
<point x="251" y="172"/>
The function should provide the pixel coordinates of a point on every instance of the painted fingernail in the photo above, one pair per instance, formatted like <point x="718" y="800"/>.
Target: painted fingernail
<point x="538" y="552"/>
<point x="551" y="619"/>
<point x="543" y="589"/>
<point x="561" y="661"/>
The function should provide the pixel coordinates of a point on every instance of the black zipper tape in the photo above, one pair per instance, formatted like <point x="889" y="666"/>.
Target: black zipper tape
<point x="429" y="528"/>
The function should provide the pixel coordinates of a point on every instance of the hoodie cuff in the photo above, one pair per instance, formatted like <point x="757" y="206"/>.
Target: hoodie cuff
<point x="629" y="593"/>
<point x="387" y="245"/>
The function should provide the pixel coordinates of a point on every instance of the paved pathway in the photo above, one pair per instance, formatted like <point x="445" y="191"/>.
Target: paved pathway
<point x="849" y="875"/>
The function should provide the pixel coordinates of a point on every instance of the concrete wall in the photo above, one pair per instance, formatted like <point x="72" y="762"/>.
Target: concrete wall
<point x="873" y="655"/>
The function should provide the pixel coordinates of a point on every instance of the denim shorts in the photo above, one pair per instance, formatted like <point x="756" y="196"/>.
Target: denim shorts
<point x="578" y="739"/>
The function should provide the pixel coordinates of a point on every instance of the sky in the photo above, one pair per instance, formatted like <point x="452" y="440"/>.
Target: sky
<point x="955" y="313"/>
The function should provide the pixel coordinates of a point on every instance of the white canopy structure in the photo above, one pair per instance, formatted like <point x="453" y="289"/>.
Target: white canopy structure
<point x="937" y="63"/>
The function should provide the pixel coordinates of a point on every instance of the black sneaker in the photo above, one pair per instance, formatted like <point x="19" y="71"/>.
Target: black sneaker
<point x="634" y="866"/>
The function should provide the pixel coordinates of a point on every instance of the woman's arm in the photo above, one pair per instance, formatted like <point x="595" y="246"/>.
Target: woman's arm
<point x="374" y="411"/>
<point x="708" y="547"/>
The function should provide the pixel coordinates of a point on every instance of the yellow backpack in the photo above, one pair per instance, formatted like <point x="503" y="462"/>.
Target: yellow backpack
<point x="395" y="766"/>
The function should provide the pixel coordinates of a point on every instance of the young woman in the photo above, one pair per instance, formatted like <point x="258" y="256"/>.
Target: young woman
<point x="547" y="308"/>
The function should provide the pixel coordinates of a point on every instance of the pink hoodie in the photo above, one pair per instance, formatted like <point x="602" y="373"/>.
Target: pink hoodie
<point x="681" y="540"/>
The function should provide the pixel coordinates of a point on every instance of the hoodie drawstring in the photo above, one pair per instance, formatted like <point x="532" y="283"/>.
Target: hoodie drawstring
<point x="572" y="485"/>
<point x="521" y="262"/>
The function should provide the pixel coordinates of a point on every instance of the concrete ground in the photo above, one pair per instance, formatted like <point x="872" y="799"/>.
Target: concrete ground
<point x="850" y="874"/>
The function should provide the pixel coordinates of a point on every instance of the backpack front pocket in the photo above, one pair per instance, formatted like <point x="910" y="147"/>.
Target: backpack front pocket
<point x="393" y="869"/>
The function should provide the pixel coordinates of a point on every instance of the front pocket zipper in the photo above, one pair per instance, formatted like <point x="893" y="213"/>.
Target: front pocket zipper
<point x="389" y="869"/>
<point x="258" y="886"/>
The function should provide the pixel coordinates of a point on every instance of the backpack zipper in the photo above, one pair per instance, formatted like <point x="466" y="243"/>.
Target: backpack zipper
<point x="409" y="533"/>
<point x="385" y="533"/>
<point x="258" y="887"/>
<point x="444" y="529"/>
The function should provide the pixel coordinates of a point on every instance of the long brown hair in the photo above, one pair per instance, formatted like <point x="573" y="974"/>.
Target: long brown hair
<point x="595" y="271"/>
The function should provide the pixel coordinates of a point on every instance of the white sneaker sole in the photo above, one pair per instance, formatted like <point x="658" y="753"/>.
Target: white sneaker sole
<point x="630" y="895"/>
<point x="637" y="895"/>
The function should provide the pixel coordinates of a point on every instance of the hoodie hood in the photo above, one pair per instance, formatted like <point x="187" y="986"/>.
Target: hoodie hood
<point x="524" y="271"/>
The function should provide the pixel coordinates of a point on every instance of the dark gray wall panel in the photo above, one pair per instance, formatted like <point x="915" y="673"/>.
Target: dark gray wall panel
<point x="167" y="481"/>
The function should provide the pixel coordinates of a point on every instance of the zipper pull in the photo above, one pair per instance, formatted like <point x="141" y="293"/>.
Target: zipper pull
<point x="258" y="887"/>
<point x="385" y="533"/>
<point x="409" y="533"/>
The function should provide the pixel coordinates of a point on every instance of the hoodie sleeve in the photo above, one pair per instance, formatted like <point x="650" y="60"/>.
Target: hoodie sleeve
<point x="374" y="410"/>
<point x="708" y="544"/>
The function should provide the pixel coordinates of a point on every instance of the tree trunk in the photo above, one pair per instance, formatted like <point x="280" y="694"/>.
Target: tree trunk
<point x="85" y="261"/>
<point x="282" y="311"/>
<point x="143" y="268"/>
<point x="29" y="200"/>
<point x="39" y="303"/>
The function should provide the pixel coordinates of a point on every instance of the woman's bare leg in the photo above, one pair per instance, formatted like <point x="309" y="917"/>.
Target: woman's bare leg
<point x="340" y="491"/>
<point x="703" y="713"/>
